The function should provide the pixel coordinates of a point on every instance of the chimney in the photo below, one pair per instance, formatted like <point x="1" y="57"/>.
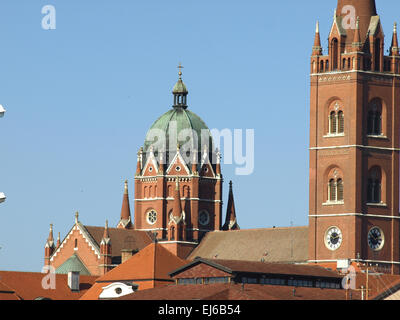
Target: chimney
<point x="126" y="254"/>
<point x="73" y="281"/>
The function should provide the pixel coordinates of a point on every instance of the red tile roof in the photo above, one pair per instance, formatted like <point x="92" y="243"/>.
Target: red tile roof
<point x="232" y="266"/>
<point x="121" y="238"/>
<point x="6" y="293"/>
<point x="152" y="263"/>
<point x="28" y="285"/>
<point x="237" y="292"/>
<point x="270" y="245"/>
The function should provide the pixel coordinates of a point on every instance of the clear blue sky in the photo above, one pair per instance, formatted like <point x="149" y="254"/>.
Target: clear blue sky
<point x="81" y="98"/>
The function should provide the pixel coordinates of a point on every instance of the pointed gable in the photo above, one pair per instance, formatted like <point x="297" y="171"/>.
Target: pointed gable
<point x="151" y="167"/>
<point x="206" y="169"/>
<point x="178" y="166"/>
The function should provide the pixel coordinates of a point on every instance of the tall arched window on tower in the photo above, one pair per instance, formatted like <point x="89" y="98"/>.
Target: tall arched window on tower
<point x="374" y="186"/>
<point x="374" y="121"/>
<point x="340" y="122"/>
<point x="335" y="191"/>
<point x="332" y="190"/>
<point x="332" y="123"/>
<point x="336" y="122"/>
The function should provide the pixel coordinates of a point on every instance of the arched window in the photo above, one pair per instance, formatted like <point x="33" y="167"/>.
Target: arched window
<point x="332" y="123"/>
<point x="332" y="190"/>
<point x="336" y="123"/>
<point x="339" y="185"/>
<point x="374" y="186"/>
<point x="335" y="190"/>
<point x="321" y="66"/>
<point x="172" y="233"/>
<point x="76" y="243"/>
<point x="340" y="122"/>
<point x="374" y="121"/>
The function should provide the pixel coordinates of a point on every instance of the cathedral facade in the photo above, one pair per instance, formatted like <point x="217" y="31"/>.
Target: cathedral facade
<point x="353" y="183"/>
<point x="178" y="198"/>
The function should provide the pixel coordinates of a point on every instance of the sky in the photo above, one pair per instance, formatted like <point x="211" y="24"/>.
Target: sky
<point x="80" y="99"/>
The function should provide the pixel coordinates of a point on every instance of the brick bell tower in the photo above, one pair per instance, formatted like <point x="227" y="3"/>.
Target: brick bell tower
<point x="178" y="186"/>
<point x="354" y="142"/>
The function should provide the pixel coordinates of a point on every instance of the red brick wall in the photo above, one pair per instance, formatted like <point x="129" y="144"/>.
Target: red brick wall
<point x="84" y="251"/>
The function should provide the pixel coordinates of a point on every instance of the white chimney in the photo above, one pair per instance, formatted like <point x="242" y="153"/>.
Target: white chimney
<point x="73" y="280"/>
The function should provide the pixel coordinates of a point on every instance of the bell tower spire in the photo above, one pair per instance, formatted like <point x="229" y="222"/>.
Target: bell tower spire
<point x="394" y="49"/>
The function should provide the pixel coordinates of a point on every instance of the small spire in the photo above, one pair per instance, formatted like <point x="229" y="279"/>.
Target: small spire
<point x="394" y="49"/>
<point x="161" y="162"/>
<point x="76" y="217"/>
<point x="194" y="163"/>
<point x="125" y="219"/>
<point x="50" y="239"/>
<point x="218" y="165"/>
<point x="177" y="209"/>
<point x="106" y="236"/>
<point x="51" y="233"/>
<point x="139" y="161"/>
<point x="357" y="37"/>
<point x="126" y="187"/>
<point x="317" y="48"/>
<point x="58" y="240"/>
<point x="231" y="220"/>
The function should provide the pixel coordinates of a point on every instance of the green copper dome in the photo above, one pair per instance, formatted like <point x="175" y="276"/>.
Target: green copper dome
<point x="178" y="127"/>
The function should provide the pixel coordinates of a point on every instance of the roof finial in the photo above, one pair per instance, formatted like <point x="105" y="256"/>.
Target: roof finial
<point x="317" y="27"/>
<point x="76" y="217"/>
<point x="395" y="27"/>
<point x="126" y="187"/>
<point x="180" y="67"/>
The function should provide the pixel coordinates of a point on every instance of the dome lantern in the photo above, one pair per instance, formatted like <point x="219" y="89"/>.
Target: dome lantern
<point x="180" y="91"/>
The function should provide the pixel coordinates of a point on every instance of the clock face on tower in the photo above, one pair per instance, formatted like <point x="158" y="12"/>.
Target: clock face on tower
<point x="376" y="239"/>
<point x="333" y="238"/>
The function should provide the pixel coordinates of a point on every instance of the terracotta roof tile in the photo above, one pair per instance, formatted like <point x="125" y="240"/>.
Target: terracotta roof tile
<point x="121" y="238"/>
<point x="270" y="268"/>
<point x="237" y="292"/>
<point x="6" y="293"/>
<point x="269" y="245"/>
<point x="28" y="285"/>
<point x="152" y="262"/>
